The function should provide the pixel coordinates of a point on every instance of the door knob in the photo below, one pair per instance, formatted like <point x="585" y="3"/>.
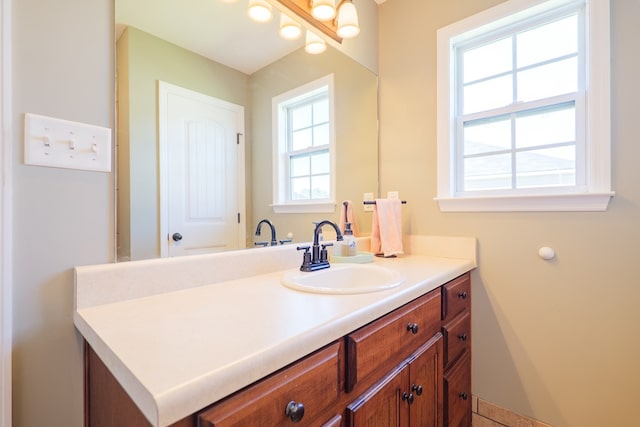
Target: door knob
<point x="176" y="237"/>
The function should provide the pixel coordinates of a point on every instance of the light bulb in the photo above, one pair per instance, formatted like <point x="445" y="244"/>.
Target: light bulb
<point x="314" y="44"/>
<point x="323" y="10"/>
<point x="289" y="29"/>
<point x="348" y="21"/>
<point x="260" y="10"/>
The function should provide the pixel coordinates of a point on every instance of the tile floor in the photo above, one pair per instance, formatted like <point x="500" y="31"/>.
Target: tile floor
<point x="486" y="414"/>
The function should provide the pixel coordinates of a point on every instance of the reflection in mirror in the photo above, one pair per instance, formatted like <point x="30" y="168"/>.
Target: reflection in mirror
<point x="143" y="60"/>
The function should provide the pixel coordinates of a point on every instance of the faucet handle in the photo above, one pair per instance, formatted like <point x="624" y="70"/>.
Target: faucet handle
<point x="324" y="256"/>
<point x="306" y="258"/>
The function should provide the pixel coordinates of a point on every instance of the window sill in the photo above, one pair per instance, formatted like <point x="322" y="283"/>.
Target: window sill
<point x="577" y="202"/>
<point x="311" y="207"/>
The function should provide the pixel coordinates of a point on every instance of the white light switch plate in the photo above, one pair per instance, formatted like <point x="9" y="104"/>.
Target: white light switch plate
<point x="395" y="195"/>
<point x="64" y="144"/>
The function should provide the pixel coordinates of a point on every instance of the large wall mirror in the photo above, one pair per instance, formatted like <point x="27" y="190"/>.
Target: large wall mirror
<point x="211" y="48"/>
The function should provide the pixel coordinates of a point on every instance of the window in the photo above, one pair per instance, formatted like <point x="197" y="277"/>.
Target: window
<point x="523" y="108"/>
<point x="304" y="164"/>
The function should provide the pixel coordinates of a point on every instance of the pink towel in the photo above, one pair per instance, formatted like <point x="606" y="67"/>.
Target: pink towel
<point x="351" y="217"/>
<point x="386" y="228"/>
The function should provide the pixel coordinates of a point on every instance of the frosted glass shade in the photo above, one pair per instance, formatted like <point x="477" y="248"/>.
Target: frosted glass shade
<point x="323" y="10"/>
<point x="260" y="10"/>
<point x="289" y="29"/>
<point x="314" y="44"/>
<point x="348" y="21"/>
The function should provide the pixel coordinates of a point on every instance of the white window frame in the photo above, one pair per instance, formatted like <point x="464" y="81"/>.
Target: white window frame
<point x="596" y="193"/>
<point x="281" y="201"/>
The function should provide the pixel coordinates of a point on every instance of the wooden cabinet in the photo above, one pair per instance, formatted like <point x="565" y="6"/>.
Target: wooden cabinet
<point x="409" y="395"/>
<point x="456" y="328"/>
<point x="411" y="367"/>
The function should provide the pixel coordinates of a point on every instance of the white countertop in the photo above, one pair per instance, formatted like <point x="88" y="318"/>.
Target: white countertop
<point x="178" y="348"/>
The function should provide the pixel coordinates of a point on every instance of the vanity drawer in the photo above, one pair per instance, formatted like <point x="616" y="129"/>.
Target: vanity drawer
<point x="457" y="337"/>
<point x="456" y="297"/>
<point x="457" y="394"/>
<point x="384" y="343"/>
<point x="312" y="383"/>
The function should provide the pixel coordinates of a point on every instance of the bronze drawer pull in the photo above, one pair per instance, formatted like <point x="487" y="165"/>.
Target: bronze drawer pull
<point x="408" y="397"/>
<point x="295" y="411"/>
<point x="462" y="295"/>
<point x="413" y="327"/>
<point x="417" y="389"/>
<point x="463" y="395"/>
<point x="462" y="337"/>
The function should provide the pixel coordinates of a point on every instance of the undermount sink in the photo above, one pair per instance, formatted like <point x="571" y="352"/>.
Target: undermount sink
<point x="343" y="279"/>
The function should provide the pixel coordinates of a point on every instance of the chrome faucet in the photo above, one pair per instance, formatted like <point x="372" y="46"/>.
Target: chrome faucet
<point x="273" y="233"/>
<point x="318" y="259"/>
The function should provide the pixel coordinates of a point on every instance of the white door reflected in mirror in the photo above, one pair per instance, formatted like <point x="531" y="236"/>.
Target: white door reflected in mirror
<point x="201" y="172"/>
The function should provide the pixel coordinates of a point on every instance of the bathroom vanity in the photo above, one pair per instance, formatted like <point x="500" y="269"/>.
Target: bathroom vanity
<point x="191" y="342"/>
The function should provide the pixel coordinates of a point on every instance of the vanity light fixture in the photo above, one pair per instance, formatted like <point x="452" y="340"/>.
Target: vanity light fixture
<point x="260" y="10"/>
<point x="348" y="20"/>
<point x="289" y="29"/>
<point x="322" y="15"/>
<point x="305" y="10"/>
<point x="314" y="44"/>
<point x="323" y="10"/>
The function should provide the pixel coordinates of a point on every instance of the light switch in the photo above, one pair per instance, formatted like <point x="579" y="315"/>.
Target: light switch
<point x="395" y="195"/>
<point x="64" y="144"/>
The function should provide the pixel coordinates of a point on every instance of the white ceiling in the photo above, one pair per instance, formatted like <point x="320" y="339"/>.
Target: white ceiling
<point x="217" y="29"/>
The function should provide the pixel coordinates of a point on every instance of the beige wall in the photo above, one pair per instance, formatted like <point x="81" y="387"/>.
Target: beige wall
<point x="553" y="340"/>
<point x="62" y="67"/>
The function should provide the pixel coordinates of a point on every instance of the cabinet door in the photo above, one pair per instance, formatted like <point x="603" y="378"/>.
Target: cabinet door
<point x="425" y="374"/>
<point x="382" y="404"/>
<point x="457" y="394"/>
<point x="336" y="421"/>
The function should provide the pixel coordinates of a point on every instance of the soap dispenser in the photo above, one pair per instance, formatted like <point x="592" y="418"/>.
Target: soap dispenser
<point x="349" y="242"/>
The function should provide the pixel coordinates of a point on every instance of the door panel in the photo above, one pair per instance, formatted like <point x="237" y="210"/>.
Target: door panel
<point x="201" y="173"/>
<point x="382" y="404"/>
<point x="425" y="371"/>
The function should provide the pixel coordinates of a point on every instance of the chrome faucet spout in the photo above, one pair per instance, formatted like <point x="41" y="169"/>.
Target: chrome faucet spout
<point x="274" y="242"/>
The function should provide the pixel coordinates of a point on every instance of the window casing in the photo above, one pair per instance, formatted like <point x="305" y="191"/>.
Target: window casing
<point x="304" y="163"/>
<point x="523" y="123"/>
